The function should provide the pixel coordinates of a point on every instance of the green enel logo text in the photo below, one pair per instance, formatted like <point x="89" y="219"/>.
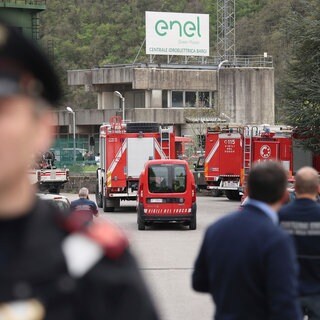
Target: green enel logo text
<point x="188" y="28"/>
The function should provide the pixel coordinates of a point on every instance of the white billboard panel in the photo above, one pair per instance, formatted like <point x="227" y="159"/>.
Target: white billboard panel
<point x="183" y="34"/>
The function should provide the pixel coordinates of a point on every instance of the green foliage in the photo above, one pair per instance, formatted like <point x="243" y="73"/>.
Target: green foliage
<point x="302" y="90"/>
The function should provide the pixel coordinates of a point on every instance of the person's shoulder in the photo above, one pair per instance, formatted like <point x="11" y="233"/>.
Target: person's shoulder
<point x="105" y="235"/>
<point x="295" y="208"/>
<point x="287" y="209"/>
<point x="87" y="244"/>
<point x="75" y="201"/>
<point x="91" y="202"/>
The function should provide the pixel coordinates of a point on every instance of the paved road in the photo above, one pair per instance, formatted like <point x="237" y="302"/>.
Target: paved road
<point x="166" y="254"/>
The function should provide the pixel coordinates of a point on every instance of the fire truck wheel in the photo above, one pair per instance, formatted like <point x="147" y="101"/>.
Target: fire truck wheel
<point x="216" y="193"/>
<point x="145" y="127"/>
<point x="108" y="205"/>
<point x="193" y="223"/>
<point x="141" y="224"/>
<point x="233" y="195"/>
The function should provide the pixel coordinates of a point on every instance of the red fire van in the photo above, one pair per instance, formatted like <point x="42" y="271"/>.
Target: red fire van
<point x="167" y="193"/>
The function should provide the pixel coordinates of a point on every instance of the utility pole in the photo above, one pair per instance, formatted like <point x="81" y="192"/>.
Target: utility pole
<point x="70" y="110"/>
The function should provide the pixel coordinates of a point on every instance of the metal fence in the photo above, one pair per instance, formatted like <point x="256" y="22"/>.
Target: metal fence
<point x="86" y="150"/>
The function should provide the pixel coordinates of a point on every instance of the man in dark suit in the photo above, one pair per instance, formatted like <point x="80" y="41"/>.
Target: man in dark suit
<point x="301" y="218"/>
<point x="246" y="262"/>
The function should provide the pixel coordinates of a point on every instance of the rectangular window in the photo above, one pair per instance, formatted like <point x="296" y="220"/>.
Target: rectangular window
<point x="167" y="178"/>
<point x="191" y="99"/>
<point x="164" y="98"/>
<point x="177" y="99"/>
<point x="204" y="99"/>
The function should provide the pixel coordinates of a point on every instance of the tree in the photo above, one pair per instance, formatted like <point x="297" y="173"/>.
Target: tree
<point x="199" y="120"/>
<point x="302" y="91"/>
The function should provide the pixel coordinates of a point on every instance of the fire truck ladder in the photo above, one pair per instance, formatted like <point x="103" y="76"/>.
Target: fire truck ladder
<point x="165" y="141"/>
<point x="249" y="133"/>
<point x="247" y="155"/>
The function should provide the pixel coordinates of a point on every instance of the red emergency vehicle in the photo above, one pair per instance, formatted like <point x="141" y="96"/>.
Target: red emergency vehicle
<point x="230" y="151"/>
<point x="124" y="150"/>
<point x="167" y="193"/>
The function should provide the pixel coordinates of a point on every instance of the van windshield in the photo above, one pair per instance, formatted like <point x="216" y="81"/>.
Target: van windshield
<point x="167" y="178"/>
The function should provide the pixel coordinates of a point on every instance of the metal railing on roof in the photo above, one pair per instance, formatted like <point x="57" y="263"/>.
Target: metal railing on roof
<point x="240" y="61"/>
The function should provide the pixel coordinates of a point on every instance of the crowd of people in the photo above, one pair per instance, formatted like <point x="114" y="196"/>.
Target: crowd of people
<point x="261" y="262"/>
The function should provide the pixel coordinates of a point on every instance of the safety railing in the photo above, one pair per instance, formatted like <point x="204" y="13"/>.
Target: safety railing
<point x="239" y="61"/>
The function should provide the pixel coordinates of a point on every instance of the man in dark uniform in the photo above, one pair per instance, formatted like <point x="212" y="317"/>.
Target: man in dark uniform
<point x="247" y="262"/>
<point x="52" y="266"/>
<point x="301" y="218"/>
<point x="83" y="205"/>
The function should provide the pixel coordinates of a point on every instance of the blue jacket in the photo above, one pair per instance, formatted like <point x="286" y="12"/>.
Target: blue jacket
<point x="301" y="219"/>
<point x="248" y="265"/>
<point x="84" y="206"/>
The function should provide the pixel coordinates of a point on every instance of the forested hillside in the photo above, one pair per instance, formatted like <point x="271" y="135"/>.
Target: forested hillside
<point x="88" y="33"/>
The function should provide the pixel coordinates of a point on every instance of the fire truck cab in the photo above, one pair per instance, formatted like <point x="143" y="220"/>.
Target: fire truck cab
<point x="230" y="152"/>
<point x="167" y="193"/>
<point x="124" y="150"/>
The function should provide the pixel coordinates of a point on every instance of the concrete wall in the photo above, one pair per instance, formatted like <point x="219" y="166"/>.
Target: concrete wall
<point x="79" y="77"/>
<point x="174" y="79"/>
<point x="112" y="75"/>
<point x="166" y="116"/>
<point x="84" y="117"/>
<point x="247" y="94"/>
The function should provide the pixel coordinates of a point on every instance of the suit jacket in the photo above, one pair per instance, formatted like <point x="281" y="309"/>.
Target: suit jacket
<point x="301" y="219"/>
<point x="248" y="265"/>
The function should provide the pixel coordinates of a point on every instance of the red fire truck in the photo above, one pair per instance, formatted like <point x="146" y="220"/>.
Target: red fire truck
<point x="230" y="151"/>
<point x="124" y="150"/>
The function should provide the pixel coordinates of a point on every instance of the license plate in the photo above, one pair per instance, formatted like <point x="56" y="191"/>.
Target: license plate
<point x="156" y="200"/>
<point x="230" y="184"/>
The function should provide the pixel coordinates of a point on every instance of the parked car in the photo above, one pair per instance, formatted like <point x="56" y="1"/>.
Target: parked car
<point x="61" y="202"/>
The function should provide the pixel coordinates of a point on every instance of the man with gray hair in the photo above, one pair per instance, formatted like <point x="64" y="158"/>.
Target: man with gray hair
<point x="84" y="205"/>
<point x="301" y="218"/>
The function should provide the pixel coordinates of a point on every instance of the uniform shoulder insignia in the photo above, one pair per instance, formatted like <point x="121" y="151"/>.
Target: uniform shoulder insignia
<point x="102" y="232"/>
<point x="110" y="237"/>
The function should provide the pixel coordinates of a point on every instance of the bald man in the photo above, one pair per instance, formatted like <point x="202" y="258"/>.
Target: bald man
<point x="301" y="218"/>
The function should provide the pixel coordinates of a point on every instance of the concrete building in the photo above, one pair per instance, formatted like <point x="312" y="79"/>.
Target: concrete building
<point x="184" y="95"/>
